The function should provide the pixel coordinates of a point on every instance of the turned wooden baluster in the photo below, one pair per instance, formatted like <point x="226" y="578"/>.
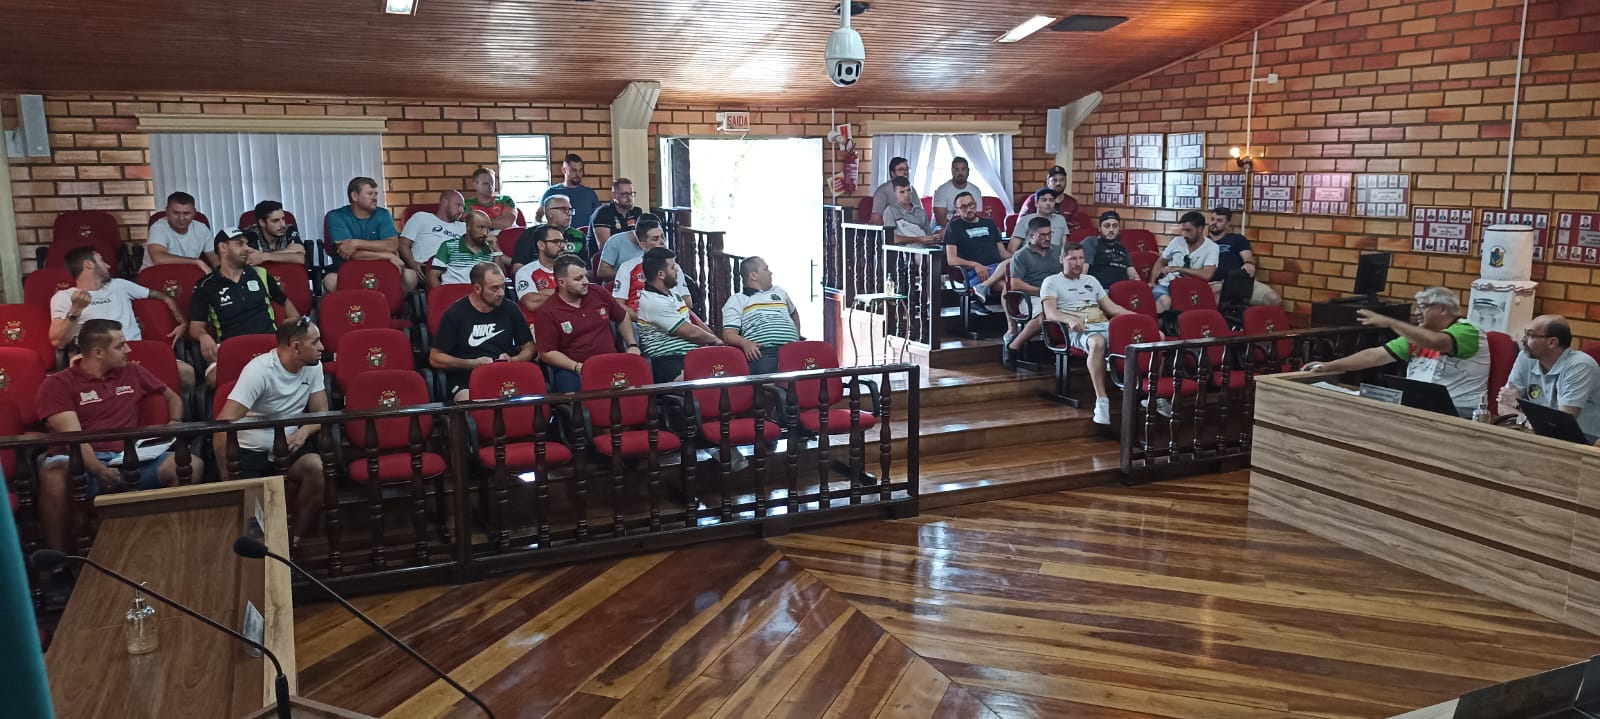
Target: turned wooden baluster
<point x="1147" y="387"/>
<point x="725" y="451"/>
<point x="280" y="466"/>
<point x="330" y="498"/>
<point x="230" y="451"/>
<point x="824" y="448"/>
<point x="1249" y="403"/>
<point x="1203" y="374"/>
<point x="500" y="526"/>
<point x="129" y="468"/>
<point x="374" y="495"/>
<point x="686" y="466"/>
<point x="1222" y="399"/>
<point x="419" y="491"/>
<point x="1177" y="396"/>
<point x="541" y="479"/>
<point x="795" y="443"/>
<point x="652" y="471"/>
<point x="858" y="464"/>
<point x="885" y="449"/>
<point x="181" y="455"/>
<point x="82" y="506"/>
<point x="759" y="462"/>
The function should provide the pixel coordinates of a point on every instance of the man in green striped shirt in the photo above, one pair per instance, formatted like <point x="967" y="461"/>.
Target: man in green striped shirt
<point x="760" y="319"/>
<point x="453" y="263"/>
<point x="669" y="328"/>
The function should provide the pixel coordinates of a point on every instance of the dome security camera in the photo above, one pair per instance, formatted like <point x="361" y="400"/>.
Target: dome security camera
<point x="845" y="56"/>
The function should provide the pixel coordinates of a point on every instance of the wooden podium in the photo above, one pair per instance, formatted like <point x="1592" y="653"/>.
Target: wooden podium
<point x="180" y="541"/>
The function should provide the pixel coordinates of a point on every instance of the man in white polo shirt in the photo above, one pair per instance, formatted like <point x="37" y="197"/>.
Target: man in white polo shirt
<point x="760" y="319"/>
<point x="1075" y="298"/>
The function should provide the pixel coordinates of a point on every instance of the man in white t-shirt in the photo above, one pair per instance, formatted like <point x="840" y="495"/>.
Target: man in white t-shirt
<point x="630" y="276"/>
<point x="426" y="231"/>
<point x="670" y="328"/>
<point x="179" y="238"/>
<point x="944" y="196"/>
<point x="1191" y="253"/>
<point x="1077" y="300"/>
<point x="282" y="383"/>
<point x="99" y="296"/>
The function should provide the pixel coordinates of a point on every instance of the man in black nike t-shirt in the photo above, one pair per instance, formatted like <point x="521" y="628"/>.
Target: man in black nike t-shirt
<point x="479" y="329"/>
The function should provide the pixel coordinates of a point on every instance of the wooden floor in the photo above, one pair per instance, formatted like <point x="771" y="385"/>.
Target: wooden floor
<point x="1167" y="600"/>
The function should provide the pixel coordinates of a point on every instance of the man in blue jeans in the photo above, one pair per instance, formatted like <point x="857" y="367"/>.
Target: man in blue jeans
<point x="975" y="244"/>
<point x="101" y="392"/>
<point x="575" y="324"/>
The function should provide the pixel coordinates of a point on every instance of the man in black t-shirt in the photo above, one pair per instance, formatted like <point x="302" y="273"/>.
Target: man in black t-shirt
<point x="1105" y="254"/>
<point x="235" y="299"/>
<point x="1235" y="255"/>
<point x="479" y="329"/>
<point x="975" y="244"/>
<point x="618" y="215"/>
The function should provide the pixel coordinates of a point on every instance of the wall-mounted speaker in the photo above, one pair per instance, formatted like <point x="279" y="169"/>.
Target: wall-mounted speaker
<point x="1052" y="131"/>
<point x="35" y="134"/>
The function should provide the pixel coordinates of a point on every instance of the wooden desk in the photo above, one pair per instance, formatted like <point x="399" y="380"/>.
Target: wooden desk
<point x="1505" y="513"/>
<point x="180" y="541"/>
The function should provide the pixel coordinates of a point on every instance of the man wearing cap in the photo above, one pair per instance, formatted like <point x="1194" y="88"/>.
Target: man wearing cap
<point x="1045" y="200"/>
<point x="235" y="299"/>
<point x="944" y="196"/>
<point x="1057" y="181"/>
<point x="1105" y="254"/>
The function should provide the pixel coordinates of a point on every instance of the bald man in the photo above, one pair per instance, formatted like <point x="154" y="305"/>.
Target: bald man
<point x="1550" y="373"/>
<point x="425" y="232"/>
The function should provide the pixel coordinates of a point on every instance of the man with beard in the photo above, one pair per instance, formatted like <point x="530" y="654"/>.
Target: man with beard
<point x="1057" y="181"/>
<point x="234" y="300"/>
<point x="584" y="200"/>
<point x="1107" y="256"/>
<point x="944" y="196"/>
<point x="1234" y="255"/>
<point x="1550" y="373"/>
<point x="1046" y="200"/>
<point x="425" y="232"/>
<point x="479" y="329"/>
<point x="558" y="210"/>
<point x="576" y="324"/>
<point x="273" y="239"/>
<point x="670" y="328"/>
<point x="453" y="263"/>
<point x="618" y="215"/>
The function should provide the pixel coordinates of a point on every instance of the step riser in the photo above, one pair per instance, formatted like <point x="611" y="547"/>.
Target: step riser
<point x="949" y="358"/>
<point x="998" y="438"/>
<point x="952" y="498"/>
<point x="983" y="392"/>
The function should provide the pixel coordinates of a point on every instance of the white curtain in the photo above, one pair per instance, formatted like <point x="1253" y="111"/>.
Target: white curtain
<point x="988" y="155"/>
<point x="228" y="173"/>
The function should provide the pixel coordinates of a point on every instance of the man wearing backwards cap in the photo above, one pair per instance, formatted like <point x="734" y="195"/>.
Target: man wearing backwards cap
<point x="1057" y="182"/>
<point x="1105" y="254"/>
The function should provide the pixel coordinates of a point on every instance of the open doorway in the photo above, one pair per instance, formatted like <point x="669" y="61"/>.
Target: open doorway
<point x="765" y="194"/>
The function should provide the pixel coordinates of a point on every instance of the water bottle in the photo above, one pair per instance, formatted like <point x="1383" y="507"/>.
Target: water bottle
<point x="1482" y="414"/>
<point x="140" y="627"/>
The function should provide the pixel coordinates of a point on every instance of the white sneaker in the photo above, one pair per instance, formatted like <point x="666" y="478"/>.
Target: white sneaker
<point x="1102" y="410"/>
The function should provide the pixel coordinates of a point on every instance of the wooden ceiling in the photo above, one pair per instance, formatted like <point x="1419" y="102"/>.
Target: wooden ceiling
<point x="924" y="54"/>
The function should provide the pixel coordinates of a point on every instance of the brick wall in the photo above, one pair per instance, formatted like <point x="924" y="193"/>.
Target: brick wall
<point x="1421" y="87"/>
<point x="100" y="160"/>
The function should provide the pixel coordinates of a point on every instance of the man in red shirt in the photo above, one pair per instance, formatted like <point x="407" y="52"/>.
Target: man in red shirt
<point x="575" y="324"/>
<point x="101" y="392"/>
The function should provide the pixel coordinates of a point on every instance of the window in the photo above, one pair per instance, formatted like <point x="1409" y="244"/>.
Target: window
<point x="988" y="159"/>
<point x="524" y="168"/>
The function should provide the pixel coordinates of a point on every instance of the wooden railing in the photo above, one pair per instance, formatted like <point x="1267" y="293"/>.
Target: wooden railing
<point x="917" y="273"/>
<point x="862" y="260"/>
<point x="483" y="516"/>
<point x="1188" y="405"/>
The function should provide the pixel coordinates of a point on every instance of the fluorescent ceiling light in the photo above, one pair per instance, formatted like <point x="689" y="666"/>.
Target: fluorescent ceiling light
<point x="1028" y="27"/>
<point x="400" y="7"/>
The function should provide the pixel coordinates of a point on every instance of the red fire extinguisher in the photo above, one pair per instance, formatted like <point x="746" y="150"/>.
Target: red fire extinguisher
<point x="852" y="169"/>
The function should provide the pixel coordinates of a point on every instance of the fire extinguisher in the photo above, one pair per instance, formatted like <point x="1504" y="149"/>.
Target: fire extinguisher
<point x="852" y="168"/>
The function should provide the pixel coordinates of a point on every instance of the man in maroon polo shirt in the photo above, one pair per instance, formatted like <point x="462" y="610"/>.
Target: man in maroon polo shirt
<point x="100" y="392"/>
<point x="575" y="325"/>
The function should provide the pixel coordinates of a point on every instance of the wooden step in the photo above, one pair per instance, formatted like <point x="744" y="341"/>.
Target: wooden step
<point x="982" y="475"/>
<point x="994" y="425"/>
<point x="978" y="382"/>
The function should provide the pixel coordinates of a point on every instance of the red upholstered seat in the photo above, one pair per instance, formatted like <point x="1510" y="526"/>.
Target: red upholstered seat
<point x="1144" y="262"/>
<point x="414" y="208"/>
<point x="993" y="209"/>
<point x="1140" y="240"/>
<point x="42" y="284"/>
<point x="635" y="443"/>
<point x="389" y="389"/>
<point x="27" y="327"/>
<point x="439" y="301"/>
<point x="382" y="277"/>
<point x="1133" y="295"/>
<point x="1082" y="233"/>
<point x="864" y="210"/>
<point x="1266" y="320"/>
<point x="396" y="467"/>
<point x="810" y="355"/>
<point x="156" y="356"/>
<point x="1190" y="293"/>
<point x="295" y="282"/>
<point x="373" y="350"/>
<point x="710" y="362"/>
<point x="616" y="371"/>
<point x="154" y="318"/>
<point x="236" y="352"/>
<point x="21" y="373"/>
<point x="838" y="421"/>
<point x="1056" y="338"/>
<point x="502" y="380"/>
<point x="175" y="281"/>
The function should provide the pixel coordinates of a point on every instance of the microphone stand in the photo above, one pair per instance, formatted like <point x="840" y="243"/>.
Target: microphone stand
<point x="47" y="559"/>
<point x="252" y="548"/>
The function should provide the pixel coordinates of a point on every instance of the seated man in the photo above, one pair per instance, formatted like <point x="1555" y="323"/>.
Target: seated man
<point x="99" y="296"/>
<point x="453" y="263"/>
<point x="558" y="209"/>
<point x="760" y="319"/>
<point x="631" y="278"/>
<point x="1234" y="255"/>
<point x="884" y="196"/>
<point x="479" y="329"/>
<point x="1077" y="299"/>
<point x="1046" y="200"/>
<point x="670" y="329"/>
<point x="1107" y="257"/>
<point x="944" y="196"/>
<point x="425" y="232"/>
<point x="618" y="215"/>
<point x="1549" y="373"/>
<point x="100" y="392"/>
<point x="273" y="239"/>
<point x="1030" y="267"/>
<point x="1441" y="347"/>
<point x="362" y="230"/>
<point x="1191" y="253"/>
<point x="627" y="246"/>
<point x="975" y="244"/>
<point x="284" y="382"/>
<point x="576" y="325"/>
<point x="1056" y="180"/>
<point x="905" y="219"/>
<point x="178" y="239"/>
<point x="234" y="300"/>
<point x="501" y="209"/>
<point x="536" y="281"/>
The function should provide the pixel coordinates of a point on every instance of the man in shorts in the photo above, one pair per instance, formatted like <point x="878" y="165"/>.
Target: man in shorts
<point x="1077" y="300"/>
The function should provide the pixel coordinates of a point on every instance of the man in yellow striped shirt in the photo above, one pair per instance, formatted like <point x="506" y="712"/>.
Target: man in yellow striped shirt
<point x="760" y="319"/>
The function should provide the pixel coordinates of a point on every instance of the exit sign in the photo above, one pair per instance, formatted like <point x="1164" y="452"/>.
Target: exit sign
<point x="738" y="121"/>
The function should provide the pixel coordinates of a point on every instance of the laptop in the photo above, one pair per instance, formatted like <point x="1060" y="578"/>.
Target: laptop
<point x="1427" y="396"/>
<point x="1552" y="423"/>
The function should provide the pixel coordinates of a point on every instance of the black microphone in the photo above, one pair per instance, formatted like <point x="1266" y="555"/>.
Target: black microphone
<point x="253" y="549"/>
<point x="49" y="559"/>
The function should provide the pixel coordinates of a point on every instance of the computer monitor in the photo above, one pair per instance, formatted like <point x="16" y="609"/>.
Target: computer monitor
<point x="1372" y="274"/>
<point x="1427" y="396"/>
<point x="1552" y="423"/>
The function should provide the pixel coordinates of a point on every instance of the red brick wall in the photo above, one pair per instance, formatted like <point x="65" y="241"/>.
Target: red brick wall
<point x="101" y="161"/>
<point x="1390" y="86"/>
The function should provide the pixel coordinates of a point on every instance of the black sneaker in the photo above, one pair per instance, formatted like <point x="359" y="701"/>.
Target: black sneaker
<point x="1008" y="357"/>
<point x="979" y="308"/>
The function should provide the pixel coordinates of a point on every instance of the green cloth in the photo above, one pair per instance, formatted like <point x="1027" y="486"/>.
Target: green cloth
<point x="25" y="693"/>
<point x="1464" y="332"/>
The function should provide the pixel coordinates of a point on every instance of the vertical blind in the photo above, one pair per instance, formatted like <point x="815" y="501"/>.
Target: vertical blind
<point x="228" y="173"/>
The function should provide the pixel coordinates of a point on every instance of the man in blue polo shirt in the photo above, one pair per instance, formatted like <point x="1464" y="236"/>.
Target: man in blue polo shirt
<point x="362" y="230"/>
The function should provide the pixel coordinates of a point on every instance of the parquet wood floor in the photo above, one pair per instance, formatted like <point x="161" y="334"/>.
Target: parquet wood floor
<point x="1167" y="600"/>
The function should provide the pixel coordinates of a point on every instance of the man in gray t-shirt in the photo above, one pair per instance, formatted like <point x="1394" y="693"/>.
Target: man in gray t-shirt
<point x="917" y="230"/>
<point x="1031" y="265"/>
<point x="1045" y="199"/>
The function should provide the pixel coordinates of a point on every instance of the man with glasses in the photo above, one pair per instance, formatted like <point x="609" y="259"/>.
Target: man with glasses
<point x="536" y="281"/>
<point x="618" y="215"/>
<point x="976" y="245"/>
<point x="1550" y="373"/>
<point x="1030" y="267"/>
<point x="558" y="210"/>
<point x="1442" y="348"/>
<point x="576" y="324"/>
